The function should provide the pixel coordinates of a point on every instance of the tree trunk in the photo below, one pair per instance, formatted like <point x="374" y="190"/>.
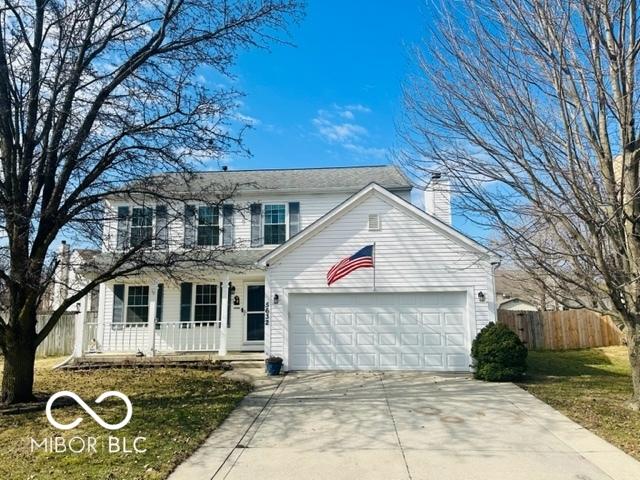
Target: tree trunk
<point x="633" y="338"/>
<point x="17" y="376"/>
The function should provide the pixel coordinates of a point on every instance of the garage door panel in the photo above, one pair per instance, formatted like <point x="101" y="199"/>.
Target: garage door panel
<point x="433" y="360"/>
<point x="365" y="319"/>
<point x="345" y="360"/>
<point x="377" y="331"/>
<point x="410" y="360"/>
<point x="366" y="360"/>
<point x="407" y="339"/>
<point x="454" y="319"/>
<point x="432" y="339"/>
<point x="409" y="318"/>
<point x="387" y="338"/>
<point x="389" y="360"/>
<point x="344" y="339"/>
<point x="458" y="360"/>
<point x="365" y="339"/>
<point x="324" y="361"/>
<point x="431" y="319"/>
<point x="387" y="319"/>
<point x="343" y="319"/>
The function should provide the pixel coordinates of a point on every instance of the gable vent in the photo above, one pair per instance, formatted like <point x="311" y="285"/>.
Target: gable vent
<point x="374" y="222"/>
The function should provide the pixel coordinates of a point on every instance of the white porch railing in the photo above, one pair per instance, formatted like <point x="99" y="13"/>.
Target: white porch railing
<point x="166" y="337"/>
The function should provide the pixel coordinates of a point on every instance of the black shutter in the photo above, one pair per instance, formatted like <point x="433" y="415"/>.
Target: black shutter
<point x="118" y="303"/>
<point x="189" y="225"/>
<point x="185" y="301"/>
<point x="159" y="303"/>
<point x="294" y="218"/>
<point x="256" y="225"/>
<point x="122" y="240"/>
<point x="162" y="230"/>
<point x="227" y="225"/>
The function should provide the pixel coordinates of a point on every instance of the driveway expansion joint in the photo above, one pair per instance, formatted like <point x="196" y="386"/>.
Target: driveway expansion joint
<point x="395" y="427"/>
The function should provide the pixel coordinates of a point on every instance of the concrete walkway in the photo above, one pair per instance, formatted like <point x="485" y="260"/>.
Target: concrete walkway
<point x="401" y="426"/>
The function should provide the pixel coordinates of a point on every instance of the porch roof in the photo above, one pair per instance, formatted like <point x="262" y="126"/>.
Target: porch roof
<point x="220" y="260"/>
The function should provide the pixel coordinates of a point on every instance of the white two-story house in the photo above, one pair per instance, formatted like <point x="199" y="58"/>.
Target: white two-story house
<point x="430" y="291"/>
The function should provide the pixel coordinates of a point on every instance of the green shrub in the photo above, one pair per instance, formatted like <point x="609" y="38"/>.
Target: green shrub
<point x="500" y="356"/>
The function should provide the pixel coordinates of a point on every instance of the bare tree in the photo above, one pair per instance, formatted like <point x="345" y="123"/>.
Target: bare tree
<point x="95" y="94"/>
<point x="530" y="107"/>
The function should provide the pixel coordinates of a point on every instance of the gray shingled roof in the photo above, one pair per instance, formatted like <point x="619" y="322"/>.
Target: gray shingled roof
<point x="233" y="260"/>
<point x="304" y="179"/>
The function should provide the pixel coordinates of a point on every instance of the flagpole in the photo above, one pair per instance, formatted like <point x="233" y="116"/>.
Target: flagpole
<point x="374" y="266"/>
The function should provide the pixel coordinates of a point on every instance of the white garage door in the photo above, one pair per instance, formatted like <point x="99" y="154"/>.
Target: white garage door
<point x="378" y="331"/>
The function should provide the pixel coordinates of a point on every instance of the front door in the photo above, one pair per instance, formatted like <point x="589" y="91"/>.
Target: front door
<point x="255" y="313"/>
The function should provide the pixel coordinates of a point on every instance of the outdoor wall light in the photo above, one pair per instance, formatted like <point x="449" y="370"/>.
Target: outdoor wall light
<point x="276" y="299"/>
<point x="481" y="297"/>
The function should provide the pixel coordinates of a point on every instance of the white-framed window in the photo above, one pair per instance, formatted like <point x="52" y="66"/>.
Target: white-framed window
<point x="137" y="308"/>
<point x="141" y="226"/>
<point x="274" y="227"/>
<point x="205" y="303"/>
<point x="208" y="226"/>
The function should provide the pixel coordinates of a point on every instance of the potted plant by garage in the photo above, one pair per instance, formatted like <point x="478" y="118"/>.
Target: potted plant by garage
<point x="273" y="365"/>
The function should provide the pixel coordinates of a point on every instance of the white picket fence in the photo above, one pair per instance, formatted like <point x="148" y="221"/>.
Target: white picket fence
<point x="166" y="337"/>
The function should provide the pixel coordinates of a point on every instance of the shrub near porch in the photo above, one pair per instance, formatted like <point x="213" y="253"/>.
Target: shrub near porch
<point x="175" y="409"/>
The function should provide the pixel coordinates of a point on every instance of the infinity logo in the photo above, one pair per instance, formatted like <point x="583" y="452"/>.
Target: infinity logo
<point x="89" y="410"/>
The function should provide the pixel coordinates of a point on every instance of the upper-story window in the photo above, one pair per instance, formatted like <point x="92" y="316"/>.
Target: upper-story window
<point x="141" y="226"/>
<point x="208" y="226"/>
<point x="275" y="224"/>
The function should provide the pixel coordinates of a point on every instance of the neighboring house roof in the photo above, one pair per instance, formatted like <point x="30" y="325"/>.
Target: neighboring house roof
<point x="86" y="254"/>
<point x="360" y="196"/>
<point x="323" y="179"/>
<point x="507" y="302"/>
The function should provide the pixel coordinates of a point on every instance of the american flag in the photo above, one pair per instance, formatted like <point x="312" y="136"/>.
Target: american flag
<point x="363" y="258"/>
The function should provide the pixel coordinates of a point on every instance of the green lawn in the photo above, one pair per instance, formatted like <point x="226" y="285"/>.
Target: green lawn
<point x="590" y="386"/>
<point x="175" y="409"/>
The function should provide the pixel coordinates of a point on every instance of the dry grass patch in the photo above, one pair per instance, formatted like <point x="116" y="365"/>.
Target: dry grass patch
<point x="591" y="387"/>
<point x="175" y="409"/>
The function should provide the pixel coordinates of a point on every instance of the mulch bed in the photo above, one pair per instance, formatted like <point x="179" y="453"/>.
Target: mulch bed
<point x="184" y="364"/>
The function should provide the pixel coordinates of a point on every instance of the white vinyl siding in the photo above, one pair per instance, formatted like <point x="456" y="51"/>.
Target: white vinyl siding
<point x="236" y="334"/>
<point x="410" y="257"/>
<point x="312" y="207"/>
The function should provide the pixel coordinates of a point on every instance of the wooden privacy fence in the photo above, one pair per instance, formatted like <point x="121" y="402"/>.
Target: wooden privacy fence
<point x="60" y="339"/>
<point x="562" y="330"/>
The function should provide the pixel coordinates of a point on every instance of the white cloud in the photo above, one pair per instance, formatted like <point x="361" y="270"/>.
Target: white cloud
<point x="336" y="131"/>
<point x="338" y="125"/>
<point x="358" y="107"/>
<point x="247" y="119"/>
<point x="371" y="152"/>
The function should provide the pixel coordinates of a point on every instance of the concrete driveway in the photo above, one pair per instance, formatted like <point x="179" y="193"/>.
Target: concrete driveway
<point x="401" y="426"/>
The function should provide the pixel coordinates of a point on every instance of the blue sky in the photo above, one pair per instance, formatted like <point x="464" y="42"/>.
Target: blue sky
<point x="335" y="97"/>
